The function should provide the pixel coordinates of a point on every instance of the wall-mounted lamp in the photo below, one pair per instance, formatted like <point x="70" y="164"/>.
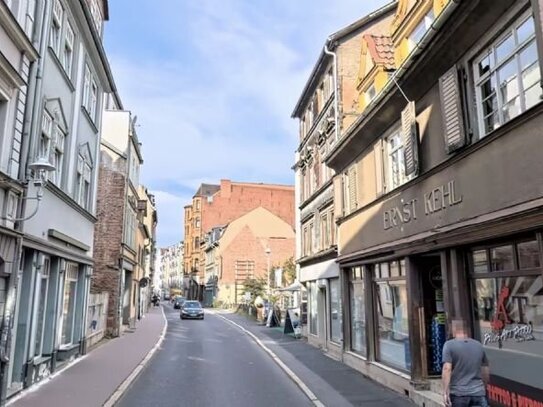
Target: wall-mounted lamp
<point x="40" y="168"/>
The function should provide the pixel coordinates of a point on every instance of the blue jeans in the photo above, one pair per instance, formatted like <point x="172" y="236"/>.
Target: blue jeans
<point x="468" y="401"/>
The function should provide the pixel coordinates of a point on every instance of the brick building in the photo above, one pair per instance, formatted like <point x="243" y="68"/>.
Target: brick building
<point x="217" y="205"/>
<point x="242" y="252"/>
<point x="118" y="246"/>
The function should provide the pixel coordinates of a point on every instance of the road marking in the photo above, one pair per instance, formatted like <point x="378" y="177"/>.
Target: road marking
<point x="135" y="373"/>
<point x="277" y="360"/>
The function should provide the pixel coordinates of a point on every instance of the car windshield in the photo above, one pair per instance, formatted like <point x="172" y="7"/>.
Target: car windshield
<point x="180" y="299"/>
<point x="191" y="304"/>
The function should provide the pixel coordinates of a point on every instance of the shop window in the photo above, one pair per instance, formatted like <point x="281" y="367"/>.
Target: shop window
<point x="336" y="329"/>
<point x="508" y="311"/>
<point x="41" y="301"/>
<point x="357" y="310"/>
<point x="507" y="76"/>
<point x="508" y="321"/>
<point x="69" y="302"/>
<point x="501" y="258"/>
<point x="313" y="320"/>
<point x="528" y="255"/>
<point x="391" y="318"/>
<point x="480" y="261"/>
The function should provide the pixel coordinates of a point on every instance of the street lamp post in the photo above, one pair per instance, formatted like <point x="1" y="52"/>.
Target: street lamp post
<point x="268" y="252"/>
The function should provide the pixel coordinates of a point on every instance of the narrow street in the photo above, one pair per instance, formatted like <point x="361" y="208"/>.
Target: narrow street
<point x="211" y="363"/>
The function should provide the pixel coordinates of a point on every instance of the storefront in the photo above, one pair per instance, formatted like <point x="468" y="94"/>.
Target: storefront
<point x="324" y="327"/>
<point x="506" y="279"/>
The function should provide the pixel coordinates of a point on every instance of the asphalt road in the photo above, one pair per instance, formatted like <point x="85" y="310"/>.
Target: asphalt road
<point x="211" y="363"/>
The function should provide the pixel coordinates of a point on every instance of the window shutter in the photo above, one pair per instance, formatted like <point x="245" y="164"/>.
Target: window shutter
<point x="410" y="139"/>
<point x="379" y="178"/>
<point x="451" y="110"/>
<point x="338" y="195"/>
<point x="352" y="189"/>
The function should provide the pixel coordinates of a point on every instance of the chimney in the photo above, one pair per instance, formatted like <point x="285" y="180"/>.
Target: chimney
<point x="226" y="188"/>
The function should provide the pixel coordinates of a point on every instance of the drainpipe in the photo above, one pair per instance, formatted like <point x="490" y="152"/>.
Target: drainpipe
<point x="336" y="87"/>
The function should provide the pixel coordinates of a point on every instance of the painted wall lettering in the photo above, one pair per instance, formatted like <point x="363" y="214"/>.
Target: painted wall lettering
<point x="438" y="199"/>
<point x="400" y="215"/>
<point x="441" y="198"/>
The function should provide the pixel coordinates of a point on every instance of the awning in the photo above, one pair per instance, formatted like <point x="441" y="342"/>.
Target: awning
<point x="326" y="269"/>
<point x="295" y="286"/>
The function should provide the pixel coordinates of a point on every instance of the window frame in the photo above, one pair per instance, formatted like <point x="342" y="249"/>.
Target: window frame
<point x="71" y="269"/>
<point x="56" y="31"/>
<point x="69" y="45"/>
<point x="43" y="274"/>
<point x="388" y="161"/>
<point x="513" y="20"/>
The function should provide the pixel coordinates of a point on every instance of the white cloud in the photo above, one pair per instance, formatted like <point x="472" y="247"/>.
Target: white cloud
<point x="214" y="87"/>
<point x="170" y="216"/>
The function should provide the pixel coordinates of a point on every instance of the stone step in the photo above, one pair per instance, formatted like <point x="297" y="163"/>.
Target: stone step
<point x="426" y="398"/>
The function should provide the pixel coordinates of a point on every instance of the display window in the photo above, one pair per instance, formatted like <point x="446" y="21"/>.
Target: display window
<point x="357" y="310"/>
<point x="507" y="295"/>
<point x="391" y="308"/>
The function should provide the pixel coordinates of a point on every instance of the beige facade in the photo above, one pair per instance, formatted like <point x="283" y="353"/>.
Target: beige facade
<point x="439" y="209"/>
<point x="328" y="105"/>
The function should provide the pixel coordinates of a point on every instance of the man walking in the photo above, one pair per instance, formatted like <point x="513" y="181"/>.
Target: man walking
<point x="465" y="370"/>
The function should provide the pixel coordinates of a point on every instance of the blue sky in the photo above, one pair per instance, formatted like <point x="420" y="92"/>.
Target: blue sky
<point x="213" y="83"/>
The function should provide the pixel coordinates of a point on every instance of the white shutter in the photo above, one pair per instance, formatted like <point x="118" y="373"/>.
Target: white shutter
<point x="451" y="110"/>
<point x="379" y="176"/>
<point x="410" y="139"/>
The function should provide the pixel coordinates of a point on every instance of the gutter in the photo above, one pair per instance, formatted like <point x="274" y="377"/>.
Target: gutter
<point x="398" y="74"/>
<point x="336" y="87"/>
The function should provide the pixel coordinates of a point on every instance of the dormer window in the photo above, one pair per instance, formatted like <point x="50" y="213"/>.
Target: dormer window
<point x="421" y="29"/>
<point x="370" y="94"/>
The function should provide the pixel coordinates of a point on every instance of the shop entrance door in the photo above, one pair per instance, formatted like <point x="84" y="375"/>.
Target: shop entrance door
<point x="429" y="267"/>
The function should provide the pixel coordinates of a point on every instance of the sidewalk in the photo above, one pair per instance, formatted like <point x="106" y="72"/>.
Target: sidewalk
<point x="93" y="379"/>
<point x="333" y="383"/>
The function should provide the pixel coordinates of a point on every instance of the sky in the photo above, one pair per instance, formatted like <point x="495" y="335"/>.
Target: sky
<point x="214" y="83"/>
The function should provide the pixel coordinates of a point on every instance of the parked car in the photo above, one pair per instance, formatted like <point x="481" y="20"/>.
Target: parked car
<point x="166" y="297"/>
<point x="178" y="302"/>
<point x="192" y="310"/>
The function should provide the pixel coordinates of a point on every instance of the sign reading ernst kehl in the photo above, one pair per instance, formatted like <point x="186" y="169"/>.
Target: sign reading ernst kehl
<point x="438" y="199"/>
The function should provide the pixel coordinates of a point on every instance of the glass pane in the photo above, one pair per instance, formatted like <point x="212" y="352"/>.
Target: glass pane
<point x="313" y="309"/>
<point x="336" y="329"/>
<point x="42" y="301"/>
<point x="501" y="258"/>
<point x="490" y="105"/>
<point x="384" y="270"/>
<point x="480" y="261"/>
<point x="532" y="96"/>
<point x="508" y="81"/>
<point x="358" y="316"/>
<point x="530" y="76"/>
<point x="394" y="269"/>
<point x="486" y="64"/>
<point x="508" y="320"/>
<point x="393" y="332"/>
<point x="528" y="255"/>
<point x="525" y="30"/>
<point x="402" y="267"/>
<point x="488" y="87"/>
<point x="528" y="55"/>
<point x="505" y="48"/>
<point x="68" y="311"/>
<point x="511" y="109"/>
<point x="491" y="123"/>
